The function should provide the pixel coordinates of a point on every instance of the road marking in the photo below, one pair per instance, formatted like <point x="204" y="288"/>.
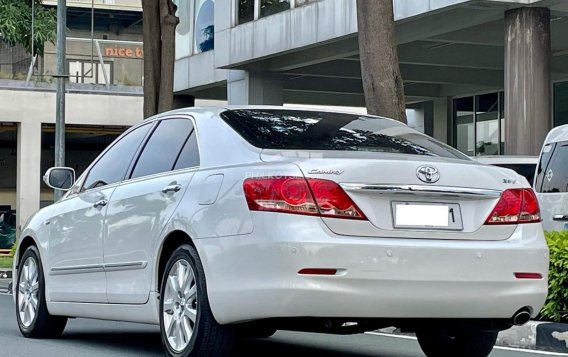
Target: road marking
<point x="537" y="352"/>
<point x="7" y="294"/>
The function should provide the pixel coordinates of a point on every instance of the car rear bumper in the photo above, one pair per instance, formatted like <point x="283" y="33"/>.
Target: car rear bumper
<point x="256" y="276"/>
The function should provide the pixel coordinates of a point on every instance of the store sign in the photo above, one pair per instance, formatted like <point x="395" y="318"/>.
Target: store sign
<point x="123" y="52"/>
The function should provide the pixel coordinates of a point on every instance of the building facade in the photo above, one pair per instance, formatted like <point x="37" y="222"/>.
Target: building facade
<point x="488" y="77"/>
<point x="104" y="97"/>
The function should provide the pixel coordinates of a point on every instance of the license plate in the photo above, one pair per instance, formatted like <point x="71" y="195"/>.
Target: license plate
<point x="417" y="215"/>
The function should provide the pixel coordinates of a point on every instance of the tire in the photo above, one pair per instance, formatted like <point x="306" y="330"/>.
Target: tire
<point x="189" y="309"/>
<point x="442" y="343"/>
<point x="30" y="291"/>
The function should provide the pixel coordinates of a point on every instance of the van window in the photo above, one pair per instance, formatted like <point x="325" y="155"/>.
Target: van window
<point x="555" y="176"/>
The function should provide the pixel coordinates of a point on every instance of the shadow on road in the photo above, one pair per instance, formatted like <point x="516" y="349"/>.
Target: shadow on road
<point x="144" y="343"/>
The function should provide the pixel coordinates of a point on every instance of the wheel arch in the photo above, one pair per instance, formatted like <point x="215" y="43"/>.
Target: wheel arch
<point x="25" y="243"/>
<point x="170" y="243"/>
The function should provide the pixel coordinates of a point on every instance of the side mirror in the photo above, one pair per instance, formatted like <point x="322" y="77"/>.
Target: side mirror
<point x="59" y="178"/>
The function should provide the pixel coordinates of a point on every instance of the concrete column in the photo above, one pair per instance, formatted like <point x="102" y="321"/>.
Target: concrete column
<point x="442" y="118"/>
<point x="28" y="171"/>
<point x="252" y="87"/>
<point x="528" y="91"/>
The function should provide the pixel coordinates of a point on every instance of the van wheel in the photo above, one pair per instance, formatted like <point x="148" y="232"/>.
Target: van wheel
<point x="442" y="343"/>
<point x="187" y="325"/>
<point x="33" y="318"/>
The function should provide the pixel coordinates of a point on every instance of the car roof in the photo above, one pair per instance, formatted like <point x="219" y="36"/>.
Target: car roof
<point x="507" y="159"/>
<point x="557" y="134"/>
<point x="220" y="109"/>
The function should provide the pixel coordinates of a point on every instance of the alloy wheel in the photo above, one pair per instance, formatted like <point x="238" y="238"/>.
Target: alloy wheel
<point x="180" y="305"/>
<point x="28" y="289"/>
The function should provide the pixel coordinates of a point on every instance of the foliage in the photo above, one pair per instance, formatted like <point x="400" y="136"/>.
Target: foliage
<point x="16" y="22"/>
<point x="556" y="306"/>
<point x="6" y="263"/>
<point x="13" y="250"/>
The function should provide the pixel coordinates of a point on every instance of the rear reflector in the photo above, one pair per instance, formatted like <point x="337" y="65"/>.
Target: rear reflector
<point x="317" y="271"/>
<point x="518" y="205"/>
<point x="297" y="195"/>
<point x="528" y="276"/>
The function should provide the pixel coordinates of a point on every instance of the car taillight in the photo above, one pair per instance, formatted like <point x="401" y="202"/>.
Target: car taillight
<point x="300" y="196"/>
<point x="518" y="205"/>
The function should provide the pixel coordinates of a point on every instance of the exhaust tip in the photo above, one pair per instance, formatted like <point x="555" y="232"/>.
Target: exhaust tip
<point x="522" y="316"/>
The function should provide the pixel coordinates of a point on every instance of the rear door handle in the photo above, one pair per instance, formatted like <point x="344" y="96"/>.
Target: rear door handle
<point x="560" y="217"/>
<point x="100" y="203"/>
<point x="171" y="188"/>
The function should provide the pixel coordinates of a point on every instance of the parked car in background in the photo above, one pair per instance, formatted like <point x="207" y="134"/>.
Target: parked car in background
<point x="551" y="183"/>
<point x="524" y="165"/>
<point x="216" y="223"/>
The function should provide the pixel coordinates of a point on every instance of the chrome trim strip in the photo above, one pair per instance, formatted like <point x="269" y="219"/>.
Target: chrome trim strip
<point x="423" y="190"/>
<point x="125" y="266"/>
<point x="96" y="268"/>
<point x="77" y="269"/>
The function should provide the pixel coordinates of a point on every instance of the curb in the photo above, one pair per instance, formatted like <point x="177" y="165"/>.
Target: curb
<point x="535" y="335"/>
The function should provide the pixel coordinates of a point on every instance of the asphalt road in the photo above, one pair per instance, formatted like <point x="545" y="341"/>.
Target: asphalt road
<point x="87" y="338"/>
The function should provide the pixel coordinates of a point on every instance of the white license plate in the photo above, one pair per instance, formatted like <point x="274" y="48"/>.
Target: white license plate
<point x="427" y="215"/>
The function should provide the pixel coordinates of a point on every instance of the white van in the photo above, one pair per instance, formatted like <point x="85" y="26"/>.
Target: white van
<point x="551" y="182"/>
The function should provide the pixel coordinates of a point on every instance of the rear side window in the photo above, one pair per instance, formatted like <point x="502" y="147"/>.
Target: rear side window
<point x="163" y="147"/>
<point x="555" y="177"/>
<point x="308" y="130"/>
<point x="189" y="155"/>
<point x="112" y="166"/>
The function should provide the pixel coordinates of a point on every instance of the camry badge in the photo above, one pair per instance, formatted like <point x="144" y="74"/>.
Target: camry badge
<point x="428" y="174"/>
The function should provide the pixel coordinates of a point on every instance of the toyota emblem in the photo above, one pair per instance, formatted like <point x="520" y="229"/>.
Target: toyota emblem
<point x="428" y="174"/>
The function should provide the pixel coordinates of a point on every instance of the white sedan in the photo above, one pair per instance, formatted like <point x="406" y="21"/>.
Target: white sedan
<point x="219" y="223"/>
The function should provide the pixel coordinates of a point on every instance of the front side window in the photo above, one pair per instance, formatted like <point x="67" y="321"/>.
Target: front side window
<point x="307" y="130"/>
<point x="163" y="147"/>
<point x="112" y="166"/>
<point x="556" y="173"/>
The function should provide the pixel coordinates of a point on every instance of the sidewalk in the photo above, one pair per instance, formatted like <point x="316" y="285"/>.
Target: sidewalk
<point x="5" y="279"/>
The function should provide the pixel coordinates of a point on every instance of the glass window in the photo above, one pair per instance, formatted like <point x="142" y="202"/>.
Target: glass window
<point x="304" y="2"/>
<point x="547" y="151"/>
<point x="112" y="166"/>
<point x="245" y="11"/>
<point x="560" y="103"/>
<point x="487" y="124"/>
<point x="163" y="147"/>
<point x="464" y="129"/>
<point x="189" y="155"/>
<point x="87" y="72"/>
<point x="307" y="130"/>
<point x="270" y="7"/>
<point x="204" y="25"/>
<point x="556" y="174"/>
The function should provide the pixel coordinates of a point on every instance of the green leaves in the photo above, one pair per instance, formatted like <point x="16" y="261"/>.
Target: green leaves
<point x="556" y="306"/>
<point x="16" y="24"/>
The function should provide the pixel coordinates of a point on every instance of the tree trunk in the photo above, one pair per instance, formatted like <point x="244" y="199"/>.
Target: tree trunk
<point x="152" y="55"/>
<point x="382" y="82"/>
<point x="168" y="22"/>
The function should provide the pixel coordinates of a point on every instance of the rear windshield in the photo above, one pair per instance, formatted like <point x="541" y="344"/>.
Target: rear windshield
<point x="309" y="130"/>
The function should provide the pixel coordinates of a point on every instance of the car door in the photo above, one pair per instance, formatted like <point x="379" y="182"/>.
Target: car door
<point x="77" y="230"/>
<point x="141" y="206"/>
<point x="552" y="186"/>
